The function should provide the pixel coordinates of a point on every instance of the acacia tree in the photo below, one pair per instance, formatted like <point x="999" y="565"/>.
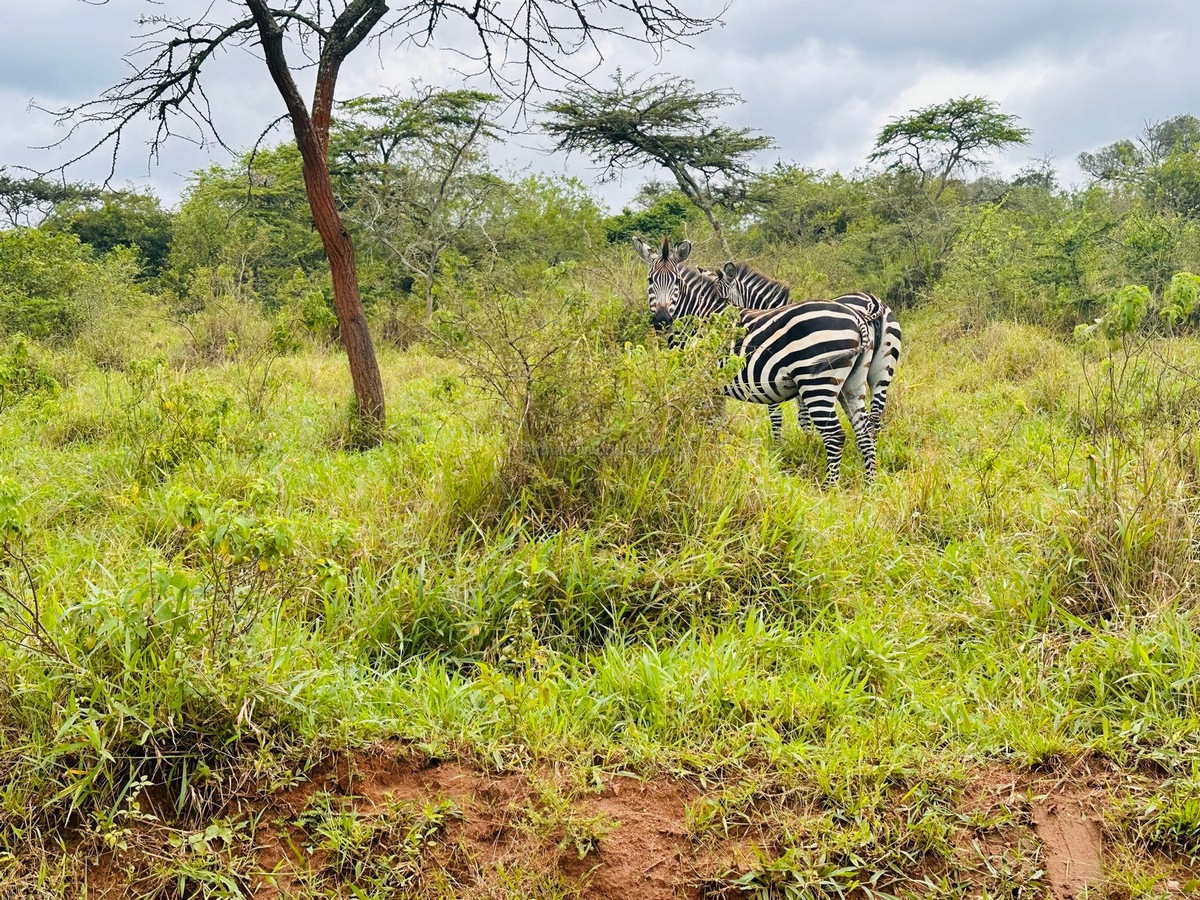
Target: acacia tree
<point x="925" y="151"/>
<point x="517" y="45"/>
<point x="415" y="172"/>
<point x="663" y="120"/>
<point x="26" y="201"/>
<point x="940" y="140"/>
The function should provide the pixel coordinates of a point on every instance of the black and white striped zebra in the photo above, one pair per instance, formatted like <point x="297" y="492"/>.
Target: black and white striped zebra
<point x="750" y="289"/>
<point x="671" y="286"/>
<point x="811" y="351"/>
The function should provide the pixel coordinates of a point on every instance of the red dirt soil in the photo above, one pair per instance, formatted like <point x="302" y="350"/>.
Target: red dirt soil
<point x="632" y="833"/>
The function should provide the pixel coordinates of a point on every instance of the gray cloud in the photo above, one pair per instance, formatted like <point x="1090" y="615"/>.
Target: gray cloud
<point x="820" y="77"/>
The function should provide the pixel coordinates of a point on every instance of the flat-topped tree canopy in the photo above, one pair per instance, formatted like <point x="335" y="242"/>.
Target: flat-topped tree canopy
<point x="665" y="121"/>
<point x="515" y="45"/>
<point x="939" y="140"/>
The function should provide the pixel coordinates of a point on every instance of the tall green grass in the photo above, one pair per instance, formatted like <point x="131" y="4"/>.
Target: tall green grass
<point x="592" y="564"/>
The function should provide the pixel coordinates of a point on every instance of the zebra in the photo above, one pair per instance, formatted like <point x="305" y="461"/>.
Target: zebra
<point x="749" y="289"/>
<point x="760" y="300"/>
<point x="699" y="293"/>
<point x="813" y="351"/>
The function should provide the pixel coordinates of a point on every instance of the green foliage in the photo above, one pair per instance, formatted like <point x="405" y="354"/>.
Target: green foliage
<point x="1169" y="820"/>
<point x="414" y="172"/>
<point x="121" y="219"/>
<point x="54" y="288"/>
<point x="1128" y="161"/>
<point x="375" y="132"/>
<point x="41" y="276"/>
<point x="1133" y="308"/>
<point x="376" y="854"/>
<point x="1181" y="300"/>
<point x="541" y="221"/>
<point x="643" y="406"/>
<point x="169" y="421"/>
<point x="251" y="220"/>
<point x="26" y="200"/>
<point x="939" y="140"/>
<point x="658" y="212"/>
<point x="23" y="372"/>
<point x="305" y="314"/>
<point x="1119" y="161"/>
<point x="1174" y="184"/>
<point x="662" y="121"/>
<point x="800" y="206"/>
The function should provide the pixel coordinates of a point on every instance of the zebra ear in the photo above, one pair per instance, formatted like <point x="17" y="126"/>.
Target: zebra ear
<point x="729" y="269"/>
<point x="682" y="250"/>
<point x="643" y="249"/>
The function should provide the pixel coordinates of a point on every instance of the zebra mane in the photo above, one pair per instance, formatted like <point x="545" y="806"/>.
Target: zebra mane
<point x="762" y="286"/>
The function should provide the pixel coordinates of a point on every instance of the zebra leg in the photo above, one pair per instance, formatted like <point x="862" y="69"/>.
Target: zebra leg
<point x="824" y="418"/>
<point x="878" y="381"/>
<point x="878" y="403"/>
<point x="853" y="397"/>
<point x="802" y="415"/>
<point x="864" y="436"/>
<point x="776" y="415"/>
<point x="883" y="368"/>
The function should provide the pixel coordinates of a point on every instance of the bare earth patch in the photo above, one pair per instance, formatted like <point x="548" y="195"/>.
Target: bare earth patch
<point x="531" y="834"/>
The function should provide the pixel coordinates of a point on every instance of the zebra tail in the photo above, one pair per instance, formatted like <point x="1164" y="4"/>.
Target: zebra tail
<point x="875" y="309"/>
<point x="866" y="341"/>
<point x="866" y="331"/>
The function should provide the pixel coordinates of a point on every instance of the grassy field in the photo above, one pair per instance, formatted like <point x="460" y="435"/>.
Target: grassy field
<point x="241" y="658"/>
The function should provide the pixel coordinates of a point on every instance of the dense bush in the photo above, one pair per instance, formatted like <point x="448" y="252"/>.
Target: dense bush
<point x="580" y="409"/>
<point x="127" y="219"/>
<point x="52" y="287"/>
<point x="23" y="372"/>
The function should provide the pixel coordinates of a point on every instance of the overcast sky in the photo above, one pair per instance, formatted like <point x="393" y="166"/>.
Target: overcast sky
<point x="821" y="77"/>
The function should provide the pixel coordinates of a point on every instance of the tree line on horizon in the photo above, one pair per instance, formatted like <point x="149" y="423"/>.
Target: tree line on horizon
<point x="434" y="220"/>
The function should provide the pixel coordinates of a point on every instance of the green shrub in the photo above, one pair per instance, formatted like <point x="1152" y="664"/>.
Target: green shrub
<point x="169" y="421"/>
<point x="22" y="372"/>
<point x="226" y="331"/>
<point x="41" y="275"/>
<point x="305" y="315"/>
<point x="579" y="411"/>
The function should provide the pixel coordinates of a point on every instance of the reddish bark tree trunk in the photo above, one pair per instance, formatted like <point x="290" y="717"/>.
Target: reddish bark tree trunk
<point x="312" y="139"/>
<point x="347" y="300"/>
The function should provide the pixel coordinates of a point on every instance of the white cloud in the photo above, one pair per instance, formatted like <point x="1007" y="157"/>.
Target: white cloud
<point x="821" y="77"/>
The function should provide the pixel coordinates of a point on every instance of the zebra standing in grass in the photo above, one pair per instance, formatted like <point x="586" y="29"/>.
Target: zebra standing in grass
<point x="811" y="351"/>
<point x="700" y="294"/>
<point x="743" y="286"/>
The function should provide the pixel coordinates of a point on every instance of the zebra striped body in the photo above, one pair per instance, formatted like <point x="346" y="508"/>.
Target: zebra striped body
<point x="805" y="351"/>
<point x="744" y="287"/>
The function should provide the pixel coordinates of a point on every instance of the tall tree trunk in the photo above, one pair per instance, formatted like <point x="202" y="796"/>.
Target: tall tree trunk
<point x="429" y="294"/>
<point x="312" y="139"/>
<point x="701" y="198"/>
<point x="717" y="229"/>
<point x="347" y="299"/>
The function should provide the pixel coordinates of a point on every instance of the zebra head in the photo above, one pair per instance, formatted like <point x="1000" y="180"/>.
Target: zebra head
<point x="743" y="286"/>
<point x="721" y="284"/>
<point x="664" y="281"/>
<point x="731" y="284"/>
